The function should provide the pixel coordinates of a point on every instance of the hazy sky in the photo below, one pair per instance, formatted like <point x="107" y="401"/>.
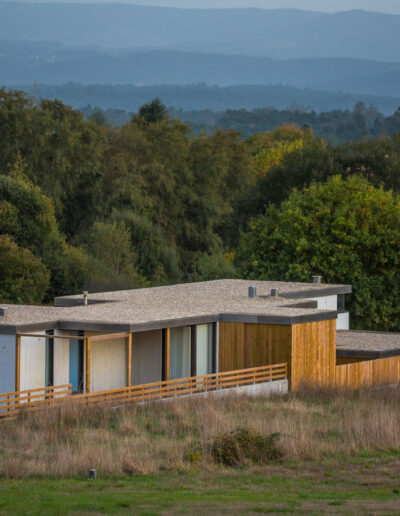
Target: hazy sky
<point x="388" y="6"/>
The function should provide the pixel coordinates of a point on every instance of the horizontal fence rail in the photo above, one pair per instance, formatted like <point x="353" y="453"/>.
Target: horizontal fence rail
<point x="192" y="385"/>
<point x="12" y="403"/>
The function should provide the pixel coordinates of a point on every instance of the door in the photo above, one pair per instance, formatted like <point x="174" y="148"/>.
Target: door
<point x="76" y="365"/>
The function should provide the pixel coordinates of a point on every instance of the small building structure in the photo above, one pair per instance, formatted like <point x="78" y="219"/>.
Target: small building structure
<point x="211" y="330"/>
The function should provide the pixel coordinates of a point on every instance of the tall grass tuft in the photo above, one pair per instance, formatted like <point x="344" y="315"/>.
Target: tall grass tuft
<point x="178" y="435"/>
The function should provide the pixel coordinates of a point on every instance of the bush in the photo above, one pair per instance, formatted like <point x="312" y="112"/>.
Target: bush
<point x="245" y="445"/>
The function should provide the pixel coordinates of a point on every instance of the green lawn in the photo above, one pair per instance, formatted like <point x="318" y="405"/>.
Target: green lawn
<point x="368" y="486"/>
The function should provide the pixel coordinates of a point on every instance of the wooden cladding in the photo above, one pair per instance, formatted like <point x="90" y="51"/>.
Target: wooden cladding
<point x="243" y="345"/>
<point x="313" y="357"/>
<point x="372" y="372"/>
<point x="309" y="349"/>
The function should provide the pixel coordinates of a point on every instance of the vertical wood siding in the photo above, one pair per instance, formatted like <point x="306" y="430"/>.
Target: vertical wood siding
<point x="367" y="373"/>
<point x="243" y="345"/>
<point x="309" y="349"/>
<point x="313" y="353"/>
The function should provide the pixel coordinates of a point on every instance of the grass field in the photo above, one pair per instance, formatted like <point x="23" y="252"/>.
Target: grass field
<point x="365" y="485"/>
<point x="339" y="453"/>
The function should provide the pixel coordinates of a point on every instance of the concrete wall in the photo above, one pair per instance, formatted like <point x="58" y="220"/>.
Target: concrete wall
<point x="146" y="357"/>
<point x="7" y="363"/>
<point x="33" y="363"/>
<point x="108" y="364"/>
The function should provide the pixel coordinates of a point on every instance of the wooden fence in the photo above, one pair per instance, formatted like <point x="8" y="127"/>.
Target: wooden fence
<point x="53" y="396"/>
<point x="372" y="372"/>
<point x="11" y="403"/>
<point x="192" y="385"/>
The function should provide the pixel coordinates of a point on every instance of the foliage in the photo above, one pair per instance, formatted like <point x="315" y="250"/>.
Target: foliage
<point x="23" y="277"/>
<point x="245" y="445"/>
<point x="347" y="231"/>
<point x="27" y="216"/>
<point x="153" y="111"/>
<point x="151" y="203"/>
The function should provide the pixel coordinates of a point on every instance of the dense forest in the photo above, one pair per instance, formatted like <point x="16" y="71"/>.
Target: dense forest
<point x="337" y="126"/>
<point x="88" y="205"/>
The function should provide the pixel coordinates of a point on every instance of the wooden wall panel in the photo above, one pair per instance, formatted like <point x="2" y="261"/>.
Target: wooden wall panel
<point x="313" y="358"/>
<point x="244" y="345"/>
<point x="231" y="346"/>
<point x="367" y="373"/>
<point x="309" y="349"/>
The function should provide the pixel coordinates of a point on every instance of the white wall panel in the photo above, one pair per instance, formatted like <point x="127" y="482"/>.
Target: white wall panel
<point x="33" y="362"/>
<point x="61" y="358"/>
<point x="108" y="364"/>
<point x="343" y="321"/>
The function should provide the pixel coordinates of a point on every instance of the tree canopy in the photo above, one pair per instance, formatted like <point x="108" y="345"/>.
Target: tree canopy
<point x="151" y="203"/>
<point x="346" y="230"/>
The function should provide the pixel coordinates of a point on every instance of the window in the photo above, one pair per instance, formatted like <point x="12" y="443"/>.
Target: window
<point x="180" y="353"/>
<point x="204" y="349"/>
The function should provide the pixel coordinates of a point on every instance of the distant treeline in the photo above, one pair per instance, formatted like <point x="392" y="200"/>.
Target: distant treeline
<point x="337" y="127"/>
<point x="201" y="96"/>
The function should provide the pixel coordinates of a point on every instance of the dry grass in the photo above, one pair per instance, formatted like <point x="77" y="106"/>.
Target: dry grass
<point x="148" y="438"/>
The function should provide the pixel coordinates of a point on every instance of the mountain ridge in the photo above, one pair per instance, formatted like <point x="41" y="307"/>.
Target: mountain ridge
<point x="278" y="33"/>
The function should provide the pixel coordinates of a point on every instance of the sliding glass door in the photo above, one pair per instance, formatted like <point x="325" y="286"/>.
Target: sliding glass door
<point x="204" y="349"/>
<point x="180" y="352"/>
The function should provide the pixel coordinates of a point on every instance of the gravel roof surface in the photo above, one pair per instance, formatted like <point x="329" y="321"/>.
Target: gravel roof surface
<point x="170" y="302"/>
<point x="367" y="341"/>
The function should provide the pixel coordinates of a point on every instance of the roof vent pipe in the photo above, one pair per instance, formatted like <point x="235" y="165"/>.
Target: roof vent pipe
<point x="3" y="312"/>
<point x="317" y="279"/>
<point x="274" y="292"/>
<point x="85" y="297"/>
<point x="252" y="291"/>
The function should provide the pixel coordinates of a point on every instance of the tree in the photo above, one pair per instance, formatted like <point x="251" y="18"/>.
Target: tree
<point x="347" y="231"/>
<point x="23" y="277"/>
<point x="113" y="260"/>
<point x="27" y="216"/>
<point x="154" y="111"/>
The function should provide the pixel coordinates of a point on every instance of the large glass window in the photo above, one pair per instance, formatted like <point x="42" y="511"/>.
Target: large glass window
<point x="180" y="352"/>
<point x="204" y="349"/>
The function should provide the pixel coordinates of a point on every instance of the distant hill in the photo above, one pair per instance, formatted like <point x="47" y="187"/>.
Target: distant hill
<point x="202" y="97"/>
<point x="50" y="63"/>
<point x="282" y="33"/>
<point x="384" y="83"/>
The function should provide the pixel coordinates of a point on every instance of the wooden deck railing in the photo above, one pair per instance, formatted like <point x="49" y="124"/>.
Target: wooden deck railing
<point x="192" y="385"/>
<point x="11" y="403"/>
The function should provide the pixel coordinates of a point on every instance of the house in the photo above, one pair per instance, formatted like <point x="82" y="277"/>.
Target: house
<point x="118" y="340"/>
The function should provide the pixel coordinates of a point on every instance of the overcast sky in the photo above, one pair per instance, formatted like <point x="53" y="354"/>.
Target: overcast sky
<point x="388" y="6"/>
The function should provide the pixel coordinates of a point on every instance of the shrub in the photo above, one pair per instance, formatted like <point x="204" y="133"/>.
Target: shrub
<point x="245" y="445"/>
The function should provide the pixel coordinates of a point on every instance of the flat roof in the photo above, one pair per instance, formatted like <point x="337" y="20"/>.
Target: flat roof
<point x="176" y="305"/>
<point x="367" y="344"/>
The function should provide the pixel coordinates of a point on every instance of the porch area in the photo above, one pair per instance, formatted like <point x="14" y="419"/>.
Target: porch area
<point x="13" y="403"/>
